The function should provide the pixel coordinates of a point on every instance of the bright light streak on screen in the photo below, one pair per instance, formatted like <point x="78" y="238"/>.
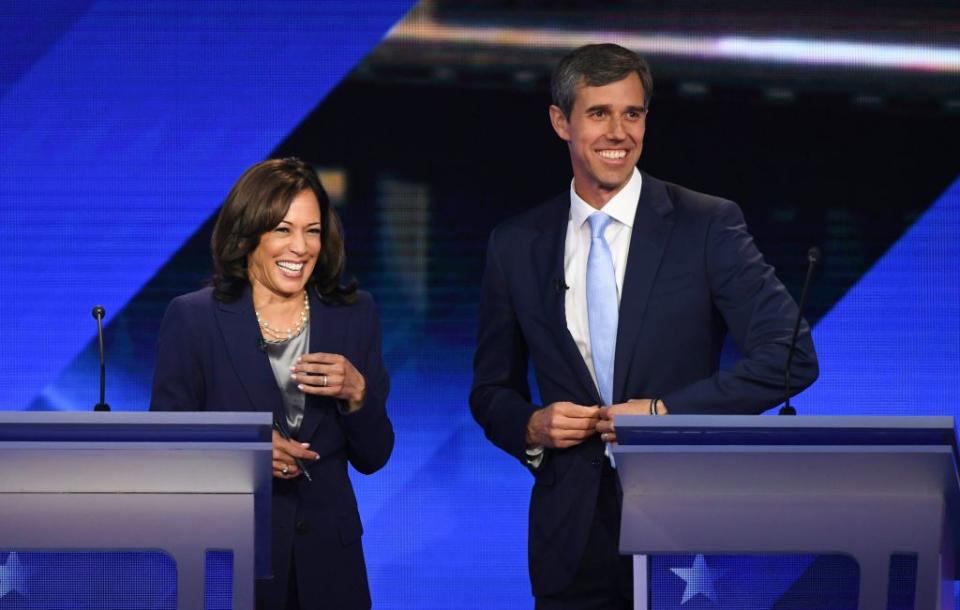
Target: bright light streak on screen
<point x="919" y="58"/>
<point x="923" y="58"/>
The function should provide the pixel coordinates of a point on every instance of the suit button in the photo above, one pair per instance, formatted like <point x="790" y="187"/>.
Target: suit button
<point x="302" y="527"/>
<point x="596" y="462"/>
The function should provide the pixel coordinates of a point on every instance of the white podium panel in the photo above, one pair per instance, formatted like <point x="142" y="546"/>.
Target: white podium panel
<point x="182" y="483"/>
<point x="868" y="487"/>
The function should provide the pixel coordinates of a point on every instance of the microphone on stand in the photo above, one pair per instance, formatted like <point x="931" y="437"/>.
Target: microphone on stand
<point x="813" y="257"/>
<point x="99" y="312"/>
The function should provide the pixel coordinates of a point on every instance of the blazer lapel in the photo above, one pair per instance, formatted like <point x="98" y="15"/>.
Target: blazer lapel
<point x="329" y="338"/>
<point x="651" y="229"/>
<point x="241" y="335"/>
<point x="547" y="255"/>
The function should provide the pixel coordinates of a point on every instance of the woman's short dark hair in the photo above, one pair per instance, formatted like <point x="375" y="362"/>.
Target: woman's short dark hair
<point x="256" y="204"/>
<point x="596" y="65"/>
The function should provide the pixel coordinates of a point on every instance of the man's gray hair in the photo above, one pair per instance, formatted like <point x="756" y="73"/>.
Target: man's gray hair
<point x="595" y="65"/>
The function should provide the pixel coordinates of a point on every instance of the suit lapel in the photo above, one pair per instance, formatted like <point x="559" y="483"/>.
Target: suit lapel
<point x="651" y="229"/>
<point x="241" y="335"/>
<point x="547" y="255"/>
<point x="329" y="338"/>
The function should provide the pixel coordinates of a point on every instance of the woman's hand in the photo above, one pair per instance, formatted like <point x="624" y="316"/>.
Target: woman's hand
<point x="330" y="375"/>
<point x="284" y="451"/>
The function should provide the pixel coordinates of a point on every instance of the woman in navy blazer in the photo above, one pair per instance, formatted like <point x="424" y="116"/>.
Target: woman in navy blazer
<point x="278" y="332"/>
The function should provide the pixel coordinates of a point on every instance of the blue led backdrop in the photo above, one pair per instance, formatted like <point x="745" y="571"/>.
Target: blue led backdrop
<point x="122" y="126"/>
<point x="122" y="135"/>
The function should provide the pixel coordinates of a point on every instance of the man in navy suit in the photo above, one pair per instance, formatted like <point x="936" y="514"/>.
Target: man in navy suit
<point x="620" y="292"/>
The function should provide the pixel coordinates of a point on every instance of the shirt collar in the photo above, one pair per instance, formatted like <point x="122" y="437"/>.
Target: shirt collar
<point x="622" y="207"/>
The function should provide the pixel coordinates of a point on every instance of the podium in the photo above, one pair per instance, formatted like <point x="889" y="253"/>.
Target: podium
<point x="866" y="487"/>
<point x="182" y="483"/>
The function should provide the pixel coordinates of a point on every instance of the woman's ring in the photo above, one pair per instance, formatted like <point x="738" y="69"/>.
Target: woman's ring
<point x="285" y="470"/>
<point x="323" y="380"/>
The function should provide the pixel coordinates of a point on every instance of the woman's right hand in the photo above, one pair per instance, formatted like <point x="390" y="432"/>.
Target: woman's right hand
<point x="284" y="466"/>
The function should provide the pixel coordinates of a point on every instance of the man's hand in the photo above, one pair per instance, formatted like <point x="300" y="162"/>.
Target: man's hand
<point x="635" y="406"/>
<point x="561" y="425"/>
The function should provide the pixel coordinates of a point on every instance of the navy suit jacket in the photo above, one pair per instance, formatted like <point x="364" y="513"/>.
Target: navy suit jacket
<point x="693" y="275"/>
<point x="208" y="359"/>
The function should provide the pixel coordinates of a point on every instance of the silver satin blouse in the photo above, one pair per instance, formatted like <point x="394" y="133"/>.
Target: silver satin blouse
<point x="282" y="356"/>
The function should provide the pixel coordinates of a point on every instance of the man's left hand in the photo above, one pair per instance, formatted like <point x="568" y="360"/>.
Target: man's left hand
<point x="635" y="406"/>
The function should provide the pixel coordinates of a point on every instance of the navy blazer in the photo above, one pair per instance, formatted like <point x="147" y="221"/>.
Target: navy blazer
<point x="208" y="359"/>
<point x="693" y="275"/>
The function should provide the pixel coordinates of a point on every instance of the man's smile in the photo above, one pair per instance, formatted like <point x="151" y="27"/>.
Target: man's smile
<point x="612" y="154"/>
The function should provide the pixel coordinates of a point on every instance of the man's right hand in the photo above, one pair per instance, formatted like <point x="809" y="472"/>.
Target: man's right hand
<point x="561" y="425"/>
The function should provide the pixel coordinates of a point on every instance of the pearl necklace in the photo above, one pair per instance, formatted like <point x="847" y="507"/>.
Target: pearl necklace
<point x="278" y="335"/>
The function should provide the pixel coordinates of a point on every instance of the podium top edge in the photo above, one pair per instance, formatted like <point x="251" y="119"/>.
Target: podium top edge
<point x="867" y="422"/>
<point x="126" y="418"/>
<point x="132" y="426"/>
<point x="690" y="430"/>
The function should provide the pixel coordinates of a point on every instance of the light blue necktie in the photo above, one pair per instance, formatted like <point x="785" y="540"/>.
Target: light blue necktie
<point x="602" y="306"/>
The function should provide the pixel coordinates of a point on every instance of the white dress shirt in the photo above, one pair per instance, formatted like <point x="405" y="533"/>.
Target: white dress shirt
<point x="622" y="208"/>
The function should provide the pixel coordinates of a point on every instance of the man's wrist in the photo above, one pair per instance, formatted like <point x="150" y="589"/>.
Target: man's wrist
<point x="657" y="407"/>
<point x="529" y="435"/>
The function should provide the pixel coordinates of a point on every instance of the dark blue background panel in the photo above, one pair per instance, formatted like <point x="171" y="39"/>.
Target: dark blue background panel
<point x="891" y="346"/>
<point x="124" y="133"/>
<point x="755" y="582"/>
<point x="72" y="579"/>
<point x="28" y="29"/>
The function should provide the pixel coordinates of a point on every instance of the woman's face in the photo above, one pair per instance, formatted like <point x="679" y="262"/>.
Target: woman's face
<point x="286" y="255"/>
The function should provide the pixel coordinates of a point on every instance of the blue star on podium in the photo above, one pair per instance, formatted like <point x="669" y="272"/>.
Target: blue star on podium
<point x="700" y="579"/>
<point x="13" y="576"/>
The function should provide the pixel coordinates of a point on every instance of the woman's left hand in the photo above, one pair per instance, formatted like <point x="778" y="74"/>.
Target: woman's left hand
<point x="330" y="375"/>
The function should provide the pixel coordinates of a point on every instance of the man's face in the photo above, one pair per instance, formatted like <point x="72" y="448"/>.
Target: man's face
<point x="605" y="135"/>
